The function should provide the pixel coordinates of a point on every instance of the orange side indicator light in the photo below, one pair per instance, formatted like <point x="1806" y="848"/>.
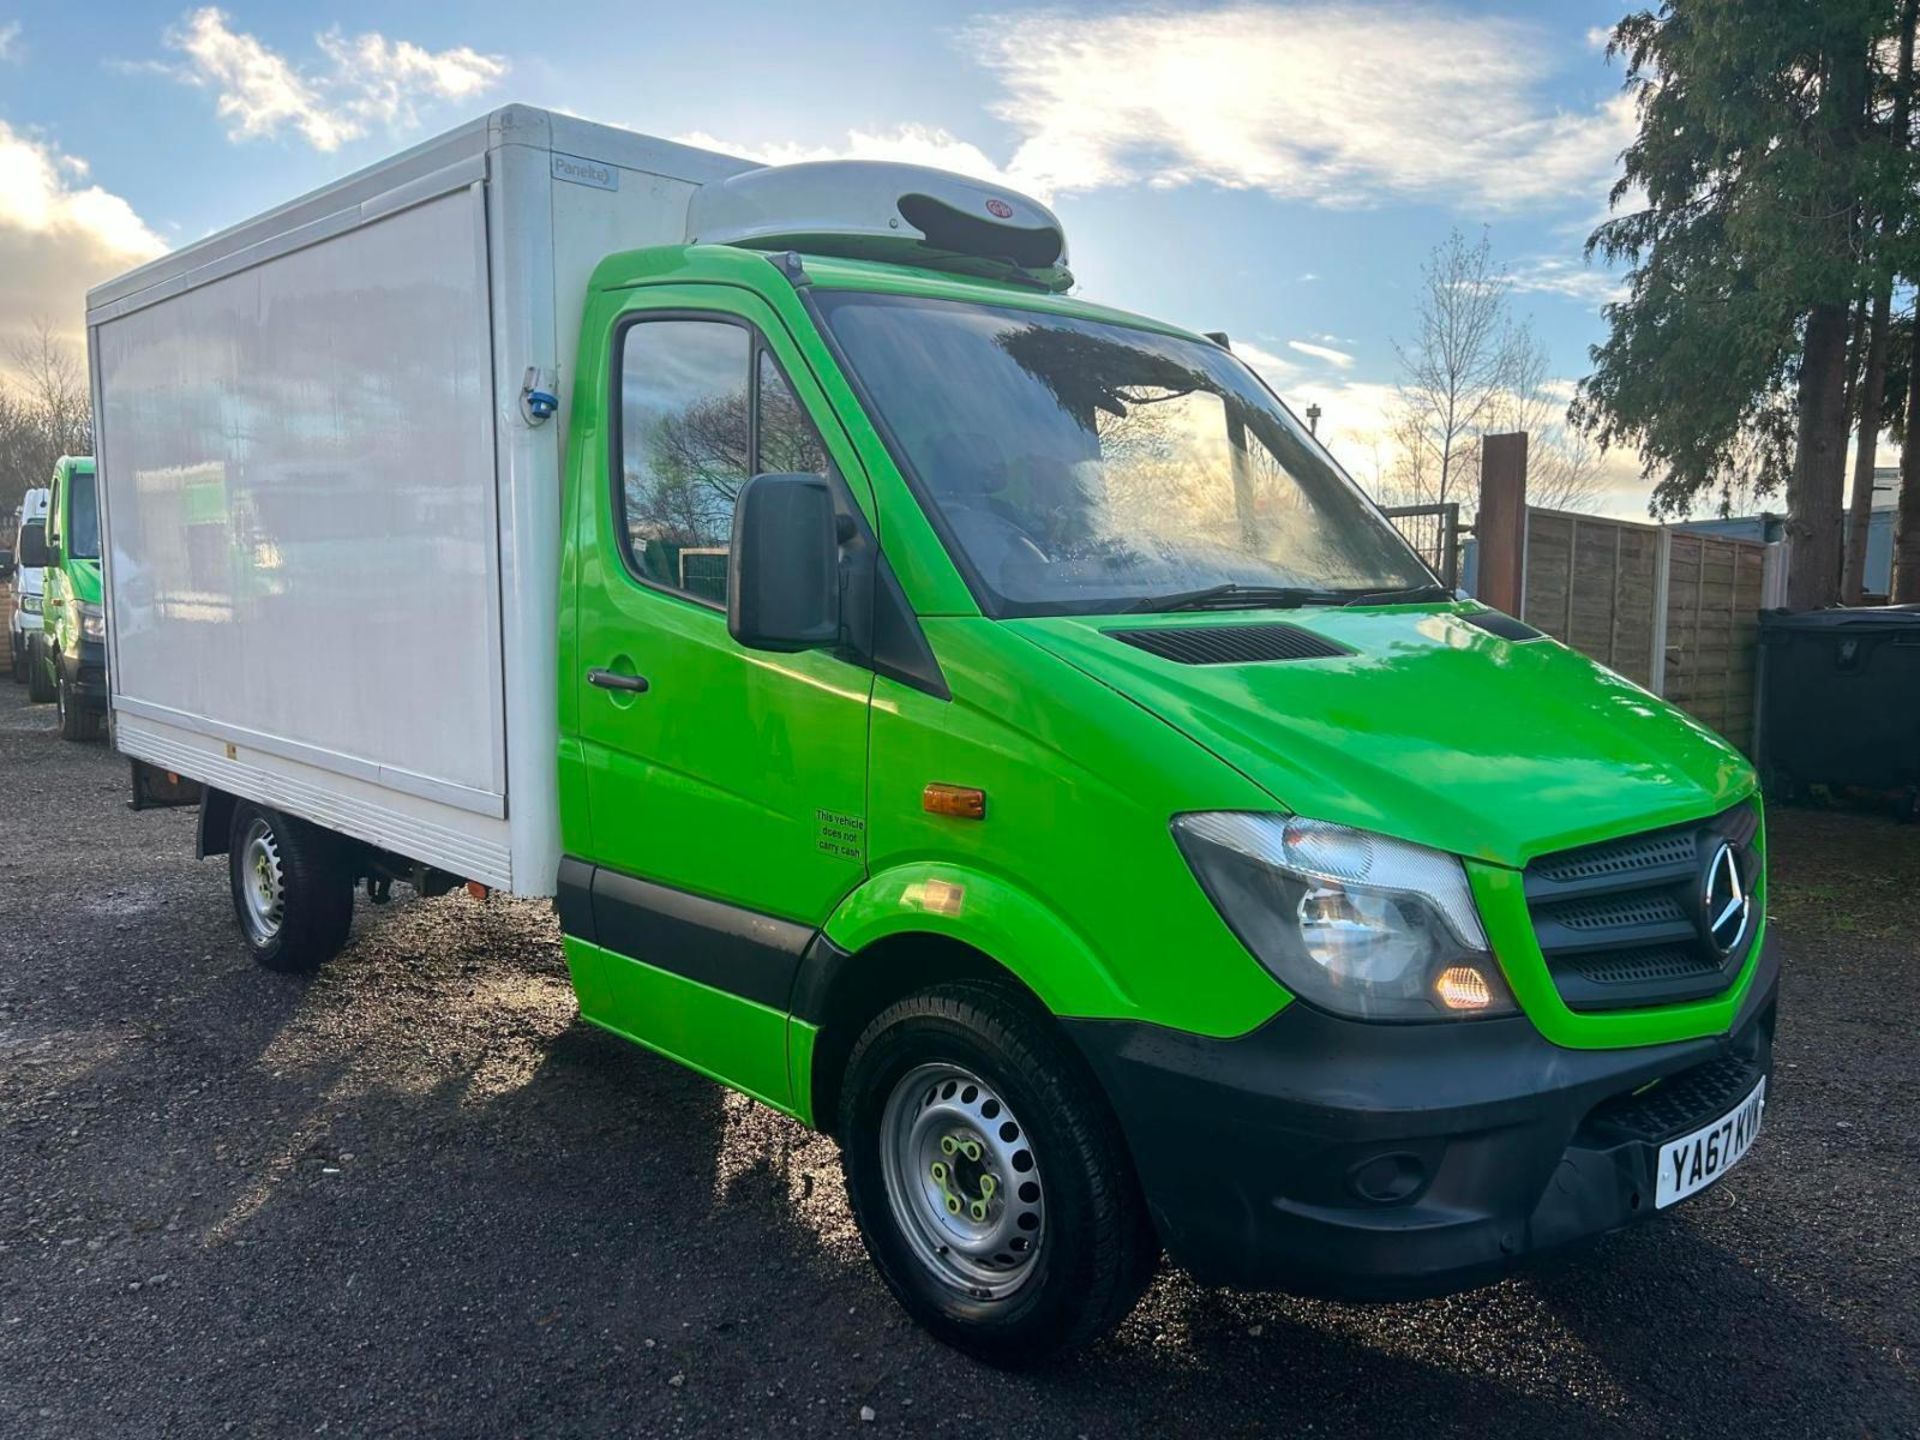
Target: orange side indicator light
<point x="962" y="802"/>
<point x="477" y="890"/>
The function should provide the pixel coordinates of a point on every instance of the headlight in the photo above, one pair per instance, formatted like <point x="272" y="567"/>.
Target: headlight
<point x="1353" y="922"/>
<point x="29" y="604"/>
<point x="93" y="622"/>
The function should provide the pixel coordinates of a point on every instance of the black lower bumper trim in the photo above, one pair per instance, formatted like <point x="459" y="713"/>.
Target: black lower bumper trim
<point x="1335" y="1158"/>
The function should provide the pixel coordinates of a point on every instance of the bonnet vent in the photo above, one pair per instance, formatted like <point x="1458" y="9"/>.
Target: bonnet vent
<point x="1495" y="622"/>
<point x="1231" y="644"/>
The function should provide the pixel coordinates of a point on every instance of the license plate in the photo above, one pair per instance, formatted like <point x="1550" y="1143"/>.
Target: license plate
<point x="1695" y="1161"/>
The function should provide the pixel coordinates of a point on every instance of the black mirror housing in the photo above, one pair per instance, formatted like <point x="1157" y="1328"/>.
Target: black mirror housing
<point x="784" y="578"/>
<point x="33" y="545"/>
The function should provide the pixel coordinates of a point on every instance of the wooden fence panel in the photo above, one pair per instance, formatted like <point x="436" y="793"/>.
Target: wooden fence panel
<point x="1596" y="584"/>
<point x="1593" y="583"/>
<point x="1714" y="593"/>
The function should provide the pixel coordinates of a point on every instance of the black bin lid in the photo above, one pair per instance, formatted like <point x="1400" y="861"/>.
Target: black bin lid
<point x="1891" y="619"/>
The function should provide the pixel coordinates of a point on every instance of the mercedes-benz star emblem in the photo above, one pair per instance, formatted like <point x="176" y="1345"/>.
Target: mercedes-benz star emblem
<point x="1727" y="901"/>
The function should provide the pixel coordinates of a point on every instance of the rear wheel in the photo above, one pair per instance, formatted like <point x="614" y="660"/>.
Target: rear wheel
<point x="292" y="893"/>
<point x="989" y="1179"/>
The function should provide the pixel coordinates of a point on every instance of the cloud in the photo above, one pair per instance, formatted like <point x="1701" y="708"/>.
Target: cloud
<point x="366" y="80"/>
<point x="1573" y="279"/>
<point x="909" y="144"/>
<point x="1339" y="359"/>
<point x="58" y="236"/>
<point x="1339" y="105"/>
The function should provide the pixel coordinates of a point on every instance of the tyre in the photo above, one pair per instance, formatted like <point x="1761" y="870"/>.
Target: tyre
<point x="292" y="892"/>
<point x="39" y="676"/>
<point x="989" y="1178"/>
<point x="77" y="721"/>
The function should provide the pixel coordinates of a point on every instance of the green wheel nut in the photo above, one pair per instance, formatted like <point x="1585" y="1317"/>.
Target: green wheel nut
<point x="979" y="1209"/>
<point x="987" y="1186"/>
<point x="972" y="1149"/>
<point x="953" y="1204"/>
<point x="939" y="1172"/>
<point x="947" y="1144"/>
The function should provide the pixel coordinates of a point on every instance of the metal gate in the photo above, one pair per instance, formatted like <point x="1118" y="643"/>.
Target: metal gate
<point x="1434" y="531"/>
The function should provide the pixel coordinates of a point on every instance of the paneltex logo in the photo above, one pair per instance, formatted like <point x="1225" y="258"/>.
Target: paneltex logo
<point x="585" y="172"/>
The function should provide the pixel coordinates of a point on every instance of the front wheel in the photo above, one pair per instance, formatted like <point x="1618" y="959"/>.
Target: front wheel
<point x="989" y="1179"/>
<point x="292" y="893"/>
<point x="39" y="675"/>
<point x="77" y="722"/>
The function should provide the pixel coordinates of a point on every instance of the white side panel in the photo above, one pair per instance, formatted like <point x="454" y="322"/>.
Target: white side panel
<point x="529" y="499"/>
<point x="450" y="838"/>
<point x="299" y="464"/>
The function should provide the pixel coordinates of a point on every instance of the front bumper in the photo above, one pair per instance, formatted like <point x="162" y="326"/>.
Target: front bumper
<point x="1336" y="1158"/>
<point x="85" y="672"/>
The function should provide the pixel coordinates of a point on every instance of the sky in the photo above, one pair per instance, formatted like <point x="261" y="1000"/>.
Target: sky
<point x="1275" y="170"/>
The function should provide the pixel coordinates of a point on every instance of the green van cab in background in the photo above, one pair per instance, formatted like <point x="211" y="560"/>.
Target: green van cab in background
<point x="72" y="654"/>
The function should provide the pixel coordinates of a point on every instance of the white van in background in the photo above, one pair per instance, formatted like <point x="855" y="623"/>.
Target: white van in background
<point x="29" y="585"/>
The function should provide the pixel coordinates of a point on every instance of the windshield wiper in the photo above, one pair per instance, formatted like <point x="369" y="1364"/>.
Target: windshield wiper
<point x="1236" y="596"/>
<point x="1413" y="595"/>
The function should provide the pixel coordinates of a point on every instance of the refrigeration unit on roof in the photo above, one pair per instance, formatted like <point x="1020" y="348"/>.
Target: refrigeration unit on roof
<point x="880" y="210"/>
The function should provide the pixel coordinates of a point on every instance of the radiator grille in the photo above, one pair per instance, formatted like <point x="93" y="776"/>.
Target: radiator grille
<point x="1622" y="923"/>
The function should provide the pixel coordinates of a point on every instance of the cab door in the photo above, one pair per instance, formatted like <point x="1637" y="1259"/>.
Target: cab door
<point x="725" y="789"/>
<point x="56" y="590"/>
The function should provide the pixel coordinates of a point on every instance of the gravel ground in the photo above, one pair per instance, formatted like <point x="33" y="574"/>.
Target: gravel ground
<point x="415" y="1195"/>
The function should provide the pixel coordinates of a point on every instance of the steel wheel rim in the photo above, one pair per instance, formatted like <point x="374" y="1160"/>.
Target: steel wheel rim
<point x="962" y="1181"/>
<point x="262" y="892"/>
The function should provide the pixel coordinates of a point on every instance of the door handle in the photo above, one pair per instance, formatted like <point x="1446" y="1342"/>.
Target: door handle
<point x="614" y="680"/>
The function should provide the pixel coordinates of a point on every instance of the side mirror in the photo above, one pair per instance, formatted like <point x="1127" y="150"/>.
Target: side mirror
<point x="33" y="545"/>
<point x="783" y="585"/>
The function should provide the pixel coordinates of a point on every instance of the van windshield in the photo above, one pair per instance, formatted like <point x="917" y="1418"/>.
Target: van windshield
<point x="83" y="516"/>
<point x="1079" y="467"/>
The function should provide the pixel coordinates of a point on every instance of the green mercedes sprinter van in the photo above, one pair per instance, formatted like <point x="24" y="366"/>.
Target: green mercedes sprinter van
<point x="976" y="722"/>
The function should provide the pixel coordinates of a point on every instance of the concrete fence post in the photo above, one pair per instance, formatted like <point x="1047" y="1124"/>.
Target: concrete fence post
<point x="1501" y="525"/>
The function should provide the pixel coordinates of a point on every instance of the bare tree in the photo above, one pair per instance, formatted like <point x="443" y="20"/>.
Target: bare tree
<point x="1472" y="369"/>
<point x="45" y="412"/>
<point x="1457" y="366"/>
<point x="1563" y="464"/>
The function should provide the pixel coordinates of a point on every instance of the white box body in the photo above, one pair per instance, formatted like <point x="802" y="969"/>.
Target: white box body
<point x="332" y="540"/>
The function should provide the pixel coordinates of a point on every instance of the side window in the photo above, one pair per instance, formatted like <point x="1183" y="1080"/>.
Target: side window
<point x="703" y="407"/>
<point x="685" y="448"/>
<point x="787" y="442"/>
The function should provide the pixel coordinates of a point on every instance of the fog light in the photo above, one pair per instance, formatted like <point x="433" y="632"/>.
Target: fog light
<point x="1461" y="987"/>
<point x="1388" y="1179"/>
